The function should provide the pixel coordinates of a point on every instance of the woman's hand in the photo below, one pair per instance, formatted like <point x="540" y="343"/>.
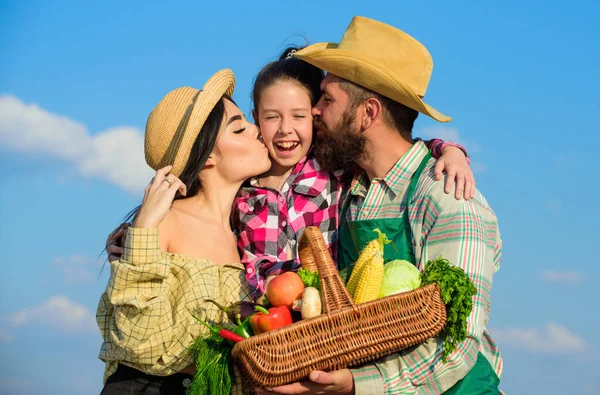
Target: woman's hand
<point x="158" y="197"/>
<point x="455" y="164"/>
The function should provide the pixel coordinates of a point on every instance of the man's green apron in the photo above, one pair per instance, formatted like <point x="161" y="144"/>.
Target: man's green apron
<point x="354" y="235"/>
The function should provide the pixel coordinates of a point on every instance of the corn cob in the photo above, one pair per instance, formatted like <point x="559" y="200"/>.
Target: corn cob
<point x="367" y="275"/>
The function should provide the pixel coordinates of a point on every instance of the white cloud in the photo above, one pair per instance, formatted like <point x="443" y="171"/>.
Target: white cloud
<point x="77" y="269"/>
<point x="451" y="134"/>
<point x="555" y="276"/>
<point x="553" y="338"/>
<point x="115" y="155"/>
<point x="59" y="312"/>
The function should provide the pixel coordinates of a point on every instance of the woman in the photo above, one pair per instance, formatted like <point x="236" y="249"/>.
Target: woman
<point x="180" y="248"/>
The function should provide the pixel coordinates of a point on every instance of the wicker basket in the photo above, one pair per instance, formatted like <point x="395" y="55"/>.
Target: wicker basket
<point x="346" y="334"/>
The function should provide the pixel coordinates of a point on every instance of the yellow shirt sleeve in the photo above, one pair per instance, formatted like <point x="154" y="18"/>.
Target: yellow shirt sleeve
<point x="146" y="314"/>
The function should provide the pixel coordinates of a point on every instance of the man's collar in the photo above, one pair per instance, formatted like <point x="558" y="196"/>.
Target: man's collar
<point x="398" y="177"/>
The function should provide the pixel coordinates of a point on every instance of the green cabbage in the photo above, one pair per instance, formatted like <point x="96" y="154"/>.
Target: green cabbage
<point x="399" y="276"/>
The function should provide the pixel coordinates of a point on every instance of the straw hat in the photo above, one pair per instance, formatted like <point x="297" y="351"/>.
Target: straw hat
<point x="175" y="122"/>
<point x="381" y="58"/>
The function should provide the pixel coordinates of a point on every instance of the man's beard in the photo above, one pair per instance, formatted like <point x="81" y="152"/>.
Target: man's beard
<point x="339" y="148"/>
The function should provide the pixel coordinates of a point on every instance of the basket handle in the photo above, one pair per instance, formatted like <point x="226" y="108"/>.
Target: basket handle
<point x="314" y="255"/>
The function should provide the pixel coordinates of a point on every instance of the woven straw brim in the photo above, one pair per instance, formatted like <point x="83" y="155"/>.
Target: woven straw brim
<point x="368" y="73"/>
<point x="175" y="123"/>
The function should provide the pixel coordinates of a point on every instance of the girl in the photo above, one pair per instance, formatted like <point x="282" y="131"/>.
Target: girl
<point x="273" y="209"/>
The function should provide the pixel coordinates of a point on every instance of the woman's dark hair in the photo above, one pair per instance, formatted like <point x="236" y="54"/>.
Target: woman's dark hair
<point x="201" y="150"/>
<point x="289" y="68"/>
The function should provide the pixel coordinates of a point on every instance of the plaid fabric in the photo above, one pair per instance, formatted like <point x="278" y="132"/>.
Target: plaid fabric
<point x="145" y="315"/>
<point x="269" y="222"/>
<point x="464" y="232"/>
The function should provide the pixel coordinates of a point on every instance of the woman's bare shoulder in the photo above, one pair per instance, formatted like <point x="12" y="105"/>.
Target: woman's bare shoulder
<point x="167" y="230"/>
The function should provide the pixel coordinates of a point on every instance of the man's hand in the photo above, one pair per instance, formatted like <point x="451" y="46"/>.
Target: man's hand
<point x="115" y="242"/>
<point x="336" y="382"/>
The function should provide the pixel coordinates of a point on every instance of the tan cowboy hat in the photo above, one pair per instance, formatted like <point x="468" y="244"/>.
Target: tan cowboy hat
<point x="176" y="121"/>
<point x="381" y="58"/>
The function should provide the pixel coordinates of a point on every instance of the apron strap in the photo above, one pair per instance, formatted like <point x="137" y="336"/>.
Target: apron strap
<point x="409" y="197"/>
<point x="345" y="207"/>
<point x="415" y="178"/>
<point x="401" y="231"/>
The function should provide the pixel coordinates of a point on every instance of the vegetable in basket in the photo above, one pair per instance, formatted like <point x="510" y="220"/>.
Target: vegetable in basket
<point x="367" y="274"/>
<point x="224" y="333"/>
<point x="457" y="291"/>
<point x="310" y="278"/>
<point x="243" y="329"/>
<point x="399" y="276"/>
<point x="240" y="309"/>
<point x="284" y="289"/>
<point x="310" y="305"/>
<point x="276" y="317"/>
<point x="213" y="358"/>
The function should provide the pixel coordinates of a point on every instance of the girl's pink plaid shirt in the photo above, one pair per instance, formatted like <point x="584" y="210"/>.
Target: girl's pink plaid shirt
<point x="269" y="222"/>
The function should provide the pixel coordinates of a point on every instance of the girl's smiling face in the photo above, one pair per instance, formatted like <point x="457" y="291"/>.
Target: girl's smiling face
<point x="285" y="120"/>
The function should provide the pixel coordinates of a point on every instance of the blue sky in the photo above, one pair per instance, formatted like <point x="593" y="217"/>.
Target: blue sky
<point x="78" y="80"/>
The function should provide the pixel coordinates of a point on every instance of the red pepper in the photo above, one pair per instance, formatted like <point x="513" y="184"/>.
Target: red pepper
<point x="263" y="321"/>
<point x="224" y="333"/>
